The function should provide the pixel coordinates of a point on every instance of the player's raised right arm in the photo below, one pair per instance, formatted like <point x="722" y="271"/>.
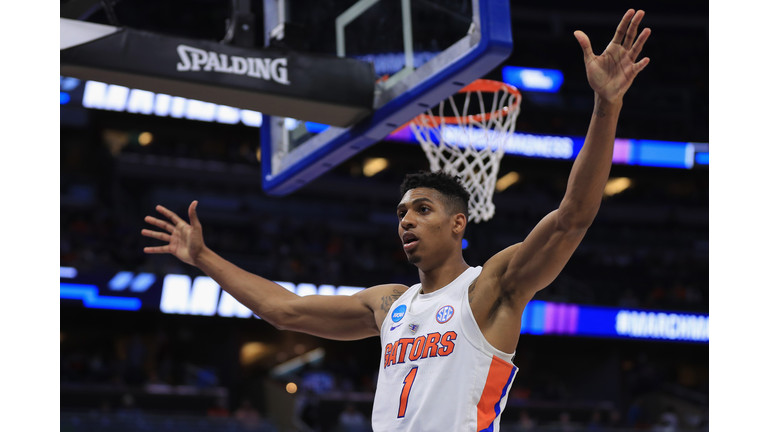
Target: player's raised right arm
<point x="333" y="317"/>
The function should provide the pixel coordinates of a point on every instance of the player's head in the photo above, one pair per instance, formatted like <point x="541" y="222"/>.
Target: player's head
<point x="433" y="212"/>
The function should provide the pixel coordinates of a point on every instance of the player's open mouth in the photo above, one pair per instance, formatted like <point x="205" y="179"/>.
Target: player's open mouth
<point x="410" y="241"/>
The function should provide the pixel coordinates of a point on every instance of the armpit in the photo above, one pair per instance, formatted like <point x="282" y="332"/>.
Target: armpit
<point x="471" y="291"/>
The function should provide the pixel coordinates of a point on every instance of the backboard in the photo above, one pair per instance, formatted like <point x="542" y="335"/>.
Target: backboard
<point x="422" y="50"/>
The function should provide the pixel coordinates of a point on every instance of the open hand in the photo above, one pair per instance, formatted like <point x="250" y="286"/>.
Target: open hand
<point x="185" y="240"/>
<point x="611" y="73"/>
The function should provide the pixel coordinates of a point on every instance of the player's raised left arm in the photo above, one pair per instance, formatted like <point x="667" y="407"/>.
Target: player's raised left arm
<point x="537" y="261"/>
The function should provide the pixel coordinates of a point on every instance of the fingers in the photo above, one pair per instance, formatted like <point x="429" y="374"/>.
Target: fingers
<point x="194" y="221"/>
<point x="638" y="46"/>
<point x="159" y="223"/>
<point x="632" y="31"/>
<point x="157" y="249"/>
<point x="621" y="30"/>
<point x="637" y="67"/>
<point x="586" y="46"/>
<point x="156" y="235"/>
<point x="169" y="214"/>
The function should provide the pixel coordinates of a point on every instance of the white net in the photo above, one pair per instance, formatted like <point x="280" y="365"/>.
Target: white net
<point x="471" y="146"/>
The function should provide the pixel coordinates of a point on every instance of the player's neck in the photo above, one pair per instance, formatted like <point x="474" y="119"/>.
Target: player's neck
<point x="435" y="278"/>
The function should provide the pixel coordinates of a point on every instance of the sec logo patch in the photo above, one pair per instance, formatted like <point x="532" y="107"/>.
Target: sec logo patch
<point x="444" y="314"/>
<point x="398" y="313"/>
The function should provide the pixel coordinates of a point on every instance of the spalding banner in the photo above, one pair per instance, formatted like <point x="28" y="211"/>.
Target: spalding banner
<point x="318" y="88"/>
<point x="193" y="59"/>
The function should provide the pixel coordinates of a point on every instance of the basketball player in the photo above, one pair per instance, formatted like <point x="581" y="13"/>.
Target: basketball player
<point x="448" y="342"/>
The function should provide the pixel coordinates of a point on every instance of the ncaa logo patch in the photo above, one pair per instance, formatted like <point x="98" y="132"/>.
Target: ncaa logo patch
<point x="444" y="314"/>
<point x="398" y="313"/>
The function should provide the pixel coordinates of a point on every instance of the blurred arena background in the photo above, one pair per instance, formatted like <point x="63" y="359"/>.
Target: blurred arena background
<point x="158" y="347"/>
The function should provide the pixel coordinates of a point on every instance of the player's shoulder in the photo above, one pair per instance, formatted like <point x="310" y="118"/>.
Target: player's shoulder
<point x="381" y="297"/>
<point x="497" y="264"/>
<point x="489" y="282"/>
<point x="383" y="290"/>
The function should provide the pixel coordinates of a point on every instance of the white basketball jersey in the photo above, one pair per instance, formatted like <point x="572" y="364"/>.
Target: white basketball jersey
<point x="438" y="373"/>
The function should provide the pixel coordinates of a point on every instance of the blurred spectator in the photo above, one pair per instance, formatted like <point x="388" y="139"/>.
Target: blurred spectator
<point x="128" y="408"/>
<point x="629" y="300"/>
<point x="667" y="421"/>
<point x="525" y="423"/>
<point x="106" y="407"/>
<point x="634" y="414"/>
<point x="614" y="419"/>
<point x="565" y="425"/>
<point x="248" y="416"/>
<point x="308" y="407"/>
<point x="596" y="422"/>
<point x="219" y="409"/>
<point x="352" y="420"/>
<point x="136" y="356"/>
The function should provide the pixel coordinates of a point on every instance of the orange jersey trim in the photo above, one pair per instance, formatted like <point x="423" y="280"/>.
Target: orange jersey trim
<point x="496" y="384"/>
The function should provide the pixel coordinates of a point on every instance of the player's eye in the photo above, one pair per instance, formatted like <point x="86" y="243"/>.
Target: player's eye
<point x="424" y="209"/>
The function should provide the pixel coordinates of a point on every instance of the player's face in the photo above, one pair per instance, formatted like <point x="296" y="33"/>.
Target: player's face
<point x="425" y="227"/>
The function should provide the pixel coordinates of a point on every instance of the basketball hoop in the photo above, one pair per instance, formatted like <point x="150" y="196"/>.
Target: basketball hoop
<point x="471" y="145"/>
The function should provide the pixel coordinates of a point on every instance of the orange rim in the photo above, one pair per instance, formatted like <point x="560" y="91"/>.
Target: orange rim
<point x="480" y="85"/>
<point x="488" y="86"/>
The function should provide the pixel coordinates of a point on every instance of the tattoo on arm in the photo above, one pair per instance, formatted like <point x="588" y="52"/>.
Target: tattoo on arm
<point x="471" y="292"/>
<point x="599" y="112"/>
<point x="388" y="300"/>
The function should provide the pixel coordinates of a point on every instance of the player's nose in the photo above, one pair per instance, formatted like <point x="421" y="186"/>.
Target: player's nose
<point x="408" y="221"/>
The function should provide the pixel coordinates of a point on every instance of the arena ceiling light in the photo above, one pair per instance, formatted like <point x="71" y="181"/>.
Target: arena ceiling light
<point x="251" y="352"/>
<point x="373" y="166"/>
<point x="145" y="138"/>
<point x="506" y="181"/>
<point x="616" y="185"/>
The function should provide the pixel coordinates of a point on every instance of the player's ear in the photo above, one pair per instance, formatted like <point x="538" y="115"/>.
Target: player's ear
<point x="459" y="223"/>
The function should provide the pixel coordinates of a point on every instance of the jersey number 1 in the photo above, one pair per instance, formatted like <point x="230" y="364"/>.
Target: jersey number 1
<point x="407" y="384"/>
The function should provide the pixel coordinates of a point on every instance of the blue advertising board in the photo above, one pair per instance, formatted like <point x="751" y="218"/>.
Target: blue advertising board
<point x="201" y="295"/>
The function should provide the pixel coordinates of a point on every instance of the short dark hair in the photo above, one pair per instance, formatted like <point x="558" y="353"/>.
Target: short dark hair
<point x="457" y="197"/>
